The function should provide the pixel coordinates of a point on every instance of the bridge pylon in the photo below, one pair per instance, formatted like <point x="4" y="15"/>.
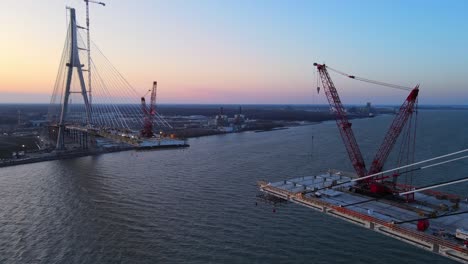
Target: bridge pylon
<point x="74" y="62"/>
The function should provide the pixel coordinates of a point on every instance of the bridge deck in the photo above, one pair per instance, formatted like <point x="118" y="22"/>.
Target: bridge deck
<point x="378" y="215"/>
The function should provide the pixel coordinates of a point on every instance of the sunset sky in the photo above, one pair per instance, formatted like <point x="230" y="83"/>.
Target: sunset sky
<point x="247" y="51"/>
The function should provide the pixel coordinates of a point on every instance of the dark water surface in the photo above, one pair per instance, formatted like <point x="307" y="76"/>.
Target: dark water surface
<point x="197" y="205"/>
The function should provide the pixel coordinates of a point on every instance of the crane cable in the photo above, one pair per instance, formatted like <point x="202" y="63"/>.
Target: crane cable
<point x="430" y="217"/>
<point x="432" y="186"/>
<point x="405" y="166"/>
<point x="371" y="81"/>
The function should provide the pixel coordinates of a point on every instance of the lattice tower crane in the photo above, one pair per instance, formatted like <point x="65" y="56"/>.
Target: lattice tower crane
<point x="149" y="112"/>
<point x="344" y="126"/>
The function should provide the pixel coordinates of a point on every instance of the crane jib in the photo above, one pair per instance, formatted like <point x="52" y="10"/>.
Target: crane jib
<point x="343" y="123"/>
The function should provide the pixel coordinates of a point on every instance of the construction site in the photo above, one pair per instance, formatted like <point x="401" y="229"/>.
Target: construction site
<point x="384" y="201"/>
<point x="103" y="106"/>
<point x="97" y="114"/>
<point x="101" y="114"/>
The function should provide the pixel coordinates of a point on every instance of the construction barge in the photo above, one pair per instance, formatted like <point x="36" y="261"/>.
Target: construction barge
<point x="373" y="198"/>
<point x="334" y="194"/>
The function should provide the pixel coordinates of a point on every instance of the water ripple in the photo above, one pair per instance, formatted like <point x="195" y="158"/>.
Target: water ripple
<point x="198" y="205"/>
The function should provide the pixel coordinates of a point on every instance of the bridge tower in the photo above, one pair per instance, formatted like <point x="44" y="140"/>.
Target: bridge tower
<point x="74" y="62"/>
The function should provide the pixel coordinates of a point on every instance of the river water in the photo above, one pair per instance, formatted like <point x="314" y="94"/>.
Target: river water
<point x="197" y="205"/>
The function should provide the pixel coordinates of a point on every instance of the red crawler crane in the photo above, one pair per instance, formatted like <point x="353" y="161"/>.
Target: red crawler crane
<point x="149" y="113"/>
<point x="405" y="111"/>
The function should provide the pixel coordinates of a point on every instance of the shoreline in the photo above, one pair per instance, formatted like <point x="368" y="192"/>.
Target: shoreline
<point x="71" y="155"/>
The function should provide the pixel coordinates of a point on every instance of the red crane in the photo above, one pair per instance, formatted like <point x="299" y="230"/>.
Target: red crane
<point x="149" y="113"/>
<point x="405" y="111"/>
<point x="342" y="121"/>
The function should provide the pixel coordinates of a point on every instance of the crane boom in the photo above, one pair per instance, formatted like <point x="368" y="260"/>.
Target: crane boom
<point x="147" y="130"/>
<point x="405" y="111"/>
<point x="149" y="113"/>
<point x="143" y="106"/>
<point x="95" y="2"/>
<point x="153" y="99"/>
<point x="342" y="121"/>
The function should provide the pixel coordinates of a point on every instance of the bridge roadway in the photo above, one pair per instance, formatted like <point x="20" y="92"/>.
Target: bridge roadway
<point x="108" y="133"/>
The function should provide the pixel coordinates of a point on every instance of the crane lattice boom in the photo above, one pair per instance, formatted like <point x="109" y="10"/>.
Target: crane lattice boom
<point x="149" y="113"/>
<point x="153" y="99"/>
<point x="342" y="121"/>
<point x="405" y="111"/>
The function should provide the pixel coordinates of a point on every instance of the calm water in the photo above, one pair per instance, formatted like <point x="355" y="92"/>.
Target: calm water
<point x="198" y="205"/>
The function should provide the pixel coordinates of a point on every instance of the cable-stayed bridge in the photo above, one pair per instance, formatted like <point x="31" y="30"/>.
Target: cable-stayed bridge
<point x="94" y="100"/>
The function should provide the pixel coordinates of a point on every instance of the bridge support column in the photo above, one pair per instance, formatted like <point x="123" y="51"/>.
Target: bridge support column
<point x="61" y="137"/>
<point x="86" y="141"/>
<point x="73" y="63"/>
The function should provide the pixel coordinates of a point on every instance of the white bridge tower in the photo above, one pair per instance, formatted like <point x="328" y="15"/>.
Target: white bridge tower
<point x="73" y="63"/>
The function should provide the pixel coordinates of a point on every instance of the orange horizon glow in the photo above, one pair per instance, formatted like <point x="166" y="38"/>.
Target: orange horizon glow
<point x="233" y="52"/>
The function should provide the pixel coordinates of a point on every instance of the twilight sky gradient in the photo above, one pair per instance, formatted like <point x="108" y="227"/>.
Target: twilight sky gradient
<point x="247" y="51"/>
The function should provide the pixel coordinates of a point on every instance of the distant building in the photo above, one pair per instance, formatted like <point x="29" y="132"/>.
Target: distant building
<point x="225" y="124"/>
<point x="221" y="120"/>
